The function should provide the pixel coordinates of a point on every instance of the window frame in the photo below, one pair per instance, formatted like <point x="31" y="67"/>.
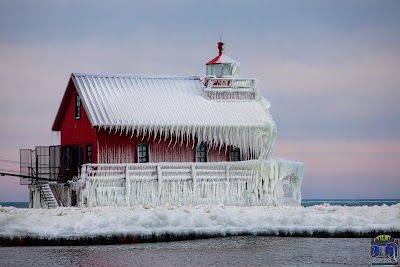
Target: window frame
<point x="139" y="157"/>
<point x="78" y="105"/>
<point x="201" y="148"/>
<point x="234" y="153"/>
<point x="89" y="159"/>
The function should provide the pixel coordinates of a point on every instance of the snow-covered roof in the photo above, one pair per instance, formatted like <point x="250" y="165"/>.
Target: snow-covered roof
<point x="171" y="105"/>
<point x="160" y="100"/>
<point x="221" y="59"/>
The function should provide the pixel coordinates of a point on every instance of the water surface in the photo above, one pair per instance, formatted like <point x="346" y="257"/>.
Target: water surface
<point x="227" y="251"/>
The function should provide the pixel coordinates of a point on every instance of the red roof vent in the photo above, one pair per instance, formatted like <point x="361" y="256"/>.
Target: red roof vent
<point x="220" y="48"/>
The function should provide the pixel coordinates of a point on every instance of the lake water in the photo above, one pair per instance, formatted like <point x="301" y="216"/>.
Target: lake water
<point x="305" y="202"/>
<point x="228" y="251"/>
<point x="350" y="202"/>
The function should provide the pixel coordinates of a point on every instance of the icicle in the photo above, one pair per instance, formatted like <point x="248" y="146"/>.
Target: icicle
<point x="155" y="133"/>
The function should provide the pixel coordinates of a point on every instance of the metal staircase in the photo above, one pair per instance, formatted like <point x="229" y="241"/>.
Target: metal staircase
<point x="46" y="194"/>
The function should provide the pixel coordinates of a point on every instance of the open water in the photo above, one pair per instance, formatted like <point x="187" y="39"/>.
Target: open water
<point x="305" y="202"/>
<point x="228" y="251"/>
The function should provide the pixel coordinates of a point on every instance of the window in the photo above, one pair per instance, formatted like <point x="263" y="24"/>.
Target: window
<point x="77" y="107"/>
<point x="201" y="152"/>
<point x="234" y="153"/>
<point x="88" y="153"/>
<point x="142" y="151"/>
<point x="73" y="198"/>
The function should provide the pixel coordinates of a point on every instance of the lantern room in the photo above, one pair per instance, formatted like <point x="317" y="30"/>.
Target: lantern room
<point x="222" y="65"/>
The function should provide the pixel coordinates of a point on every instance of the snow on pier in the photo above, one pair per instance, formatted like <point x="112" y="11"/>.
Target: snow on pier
<point x="143" y="222"/>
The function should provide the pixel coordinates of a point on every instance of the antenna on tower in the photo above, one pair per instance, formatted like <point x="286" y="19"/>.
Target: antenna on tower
<point x="220" y="45"/>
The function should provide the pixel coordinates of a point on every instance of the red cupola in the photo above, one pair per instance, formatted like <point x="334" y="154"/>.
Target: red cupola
<point x="222" y="65"/>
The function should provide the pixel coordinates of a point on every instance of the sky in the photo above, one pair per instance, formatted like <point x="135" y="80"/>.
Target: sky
<point x="329" y="68"/>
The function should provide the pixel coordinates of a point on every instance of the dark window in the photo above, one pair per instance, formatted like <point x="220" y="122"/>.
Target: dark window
<point x="142" y="153"/>
<point x="201" y="152"/>
<point x="234" y="154"/>
<point x="77" y="107"/>
<point x="73" y="198"/>
<point x="80" y="156"/>
<point x="67" y="158"/>
<point x="88" y="153"/>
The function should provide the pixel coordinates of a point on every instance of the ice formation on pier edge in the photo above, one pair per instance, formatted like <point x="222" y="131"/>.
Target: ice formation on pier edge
<point x="204" y="220"/>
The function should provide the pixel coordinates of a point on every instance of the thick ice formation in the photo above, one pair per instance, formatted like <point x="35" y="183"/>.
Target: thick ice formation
<point x="185" y="111"/>
<point x="176" y="107"/>
<point x="202" y="220"/>
<point x="246" y="183"/>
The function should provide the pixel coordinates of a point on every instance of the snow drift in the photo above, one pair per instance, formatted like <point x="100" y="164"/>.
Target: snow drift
<point x="142" y="221"/>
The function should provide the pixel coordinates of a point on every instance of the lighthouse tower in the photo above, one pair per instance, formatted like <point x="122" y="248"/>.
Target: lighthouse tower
<point x="222" y="65"/>
<point x="222" y="79"/>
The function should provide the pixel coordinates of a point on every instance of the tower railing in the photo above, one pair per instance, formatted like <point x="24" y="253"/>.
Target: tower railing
<point x="230" y="88"/>
<point x="230" y="82"/>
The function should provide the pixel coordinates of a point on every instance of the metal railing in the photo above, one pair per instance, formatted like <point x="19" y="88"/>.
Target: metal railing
<point x="170" y="170"/>
<point x="232" y="183"/>
<point x="44" y="201"/>
<point x="230" y="82"/>
<point x="230" y="88"/>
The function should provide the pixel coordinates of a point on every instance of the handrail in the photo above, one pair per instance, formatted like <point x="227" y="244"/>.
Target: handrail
<point x="176" y="164"/>
<point x="41" y="192"/>
<point x="229" y="82"/>
<point x="253" y="182"/>
<point x="175" y="170"/>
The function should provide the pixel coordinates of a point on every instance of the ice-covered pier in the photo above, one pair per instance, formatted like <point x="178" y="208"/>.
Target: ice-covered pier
<point x="113" y="225"/>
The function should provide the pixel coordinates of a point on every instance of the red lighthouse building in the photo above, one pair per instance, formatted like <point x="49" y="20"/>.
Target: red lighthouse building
<point x="128" y="118"/>
<point x="110" y="119"/>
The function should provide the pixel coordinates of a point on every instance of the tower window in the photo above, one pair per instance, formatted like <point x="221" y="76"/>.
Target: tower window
<point x="234" y="153"/>
<point x="142" y="151"/>
<point x="77" y="107"/>
<point x="201" y="152"/>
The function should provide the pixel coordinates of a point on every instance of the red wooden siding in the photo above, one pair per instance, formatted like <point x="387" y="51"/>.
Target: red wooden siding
<point x="77" y="131"/>
<point x="122" y="148"/>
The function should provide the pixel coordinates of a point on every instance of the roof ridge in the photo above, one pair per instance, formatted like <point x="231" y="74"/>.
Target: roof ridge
<point x="109" y="75"/>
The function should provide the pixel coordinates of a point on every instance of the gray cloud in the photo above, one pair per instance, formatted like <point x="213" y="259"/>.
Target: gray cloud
<point x="330" y="70"/>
